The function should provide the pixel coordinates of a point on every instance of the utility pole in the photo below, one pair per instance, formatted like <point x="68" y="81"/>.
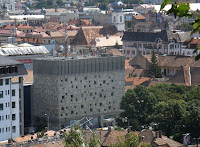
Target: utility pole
<point x="47" y="121"/>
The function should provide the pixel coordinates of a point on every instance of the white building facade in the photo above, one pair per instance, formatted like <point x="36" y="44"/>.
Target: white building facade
<point x="11" y="99"/>
<point x="143" y="43"/>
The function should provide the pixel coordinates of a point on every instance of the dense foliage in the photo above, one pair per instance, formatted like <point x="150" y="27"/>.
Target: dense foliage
<point x="174" y="108"/>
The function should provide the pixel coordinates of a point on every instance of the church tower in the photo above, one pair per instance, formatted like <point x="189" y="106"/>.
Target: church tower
<point x="118" y="15"/>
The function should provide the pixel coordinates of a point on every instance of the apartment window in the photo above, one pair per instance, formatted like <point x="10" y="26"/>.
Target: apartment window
<point x="7" y="81"/>
<point x="100" y="104"/>
<point x="62" y="108"/>
<point x="1" y="81"/>
<point x="13" y="104"/>
<point x="104" y="81"/>
<point x="1" y="94"/>
<point x="13" y="129"/>
<point x="0" y="118"/>
<point x="100" y="95"/>
<point x="82" y="106"/>
<point x="72" y="112"/>
<point x="95" y="82"/>
<point x="13" y="92"/>
<point x="112" y="94"/>
<point x="13" y="116"/>
<point x="72" y="96"/>
<point x="120" y="18"/>
<point x="1" y="106"/>
<point x="63" y="97"/>
<point x="114" y="19"/>
<point x="90" y="109"/>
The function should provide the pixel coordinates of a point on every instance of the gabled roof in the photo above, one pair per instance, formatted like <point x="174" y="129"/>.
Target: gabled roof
<point x="87" y="35"/>
<point x="165" y="35"/>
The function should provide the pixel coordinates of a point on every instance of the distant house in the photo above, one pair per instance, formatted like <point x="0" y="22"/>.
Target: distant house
<point x="93" y="37"/>
<point x="144" y="27"/>
<point x="138" y="18"/>
<point x="170" y="65"/>
<point x="156" y="139"/>
<point x="144" y="8"/>
<point x="190" y="45"/>
<point x="143" y="43"/>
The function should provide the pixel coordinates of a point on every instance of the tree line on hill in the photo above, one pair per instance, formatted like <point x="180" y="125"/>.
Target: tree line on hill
<point x="174" y="109"/>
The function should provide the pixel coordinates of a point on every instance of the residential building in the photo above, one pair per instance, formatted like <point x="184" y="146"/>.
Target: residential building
<point x="138" y="18"/>
<point x="88" y="37"/>
<point x="143" y="43"/>
<point x="144" y="26"/>
<point x="190" y="45"/>
<point x="169" y="64"/>
<point x="144" y="8"/>
<point x="68" y="89"/>
<point x="117" y="17"/>
<point x="11" y="99"/>
<point x="9" y="4"/>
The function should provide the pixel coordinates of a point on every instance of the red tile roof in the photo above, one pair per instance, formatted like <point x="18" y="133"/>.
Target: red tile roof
<point x="139" y="16"/>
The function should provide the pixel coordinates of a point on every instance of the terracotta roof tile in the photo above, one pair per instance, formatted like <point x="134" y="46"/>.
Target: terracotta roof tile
<point x="139" y="16"/>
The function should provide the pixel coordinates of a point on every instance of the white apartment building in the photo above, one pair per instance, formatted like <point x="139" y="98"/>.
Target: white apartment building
<point x="11" y="98"/>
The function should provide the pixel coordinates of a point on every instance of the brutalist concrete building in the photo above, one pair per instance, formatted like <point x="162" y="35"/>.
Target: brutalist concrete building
<point x="68" y="89"/>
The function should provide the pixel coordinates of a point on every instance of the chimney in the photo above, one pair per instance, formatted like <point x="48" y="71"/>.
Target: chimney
<point x="109" y="129"/>
<point x="187" y="75"/>
<point x="160" y="134"/>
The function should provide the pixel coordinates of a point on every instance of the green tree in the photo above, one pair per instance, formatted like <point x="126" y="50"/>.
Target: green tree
<point x="73" y="138"/>
<point x="129" y="25"/>
<point x="154" y="69"/>
<point x="94" y="141"/>
<point x="169" y="115"/>
<point x="181" y="9"/>
<point x="59" y="3"/>
<point x="137" y="105"/>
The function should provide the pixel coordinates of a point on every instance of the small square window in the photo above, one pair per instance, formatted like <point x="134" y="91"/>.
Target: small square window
<point x="63" y="97"/>
<point x="13" y="116"/>
<point x="1" y="94"/>
<point x="13" y="104"/>
<point x="66" y="79"/>
<point x="72" y="112"/>
<point x="62" y="108"/>
<point x="104" y="81"/>
<point x="100" y="104"/>
<point x="95" y="82"/>
<point x="7" y="81"/>
<point x="1" y="81"/>
<point x="90" y="109"/>
<point x="100" y="95"/>
<point x="82" y="106"/>
<point x="72" y="96"/>
<point x="13" y="129"/>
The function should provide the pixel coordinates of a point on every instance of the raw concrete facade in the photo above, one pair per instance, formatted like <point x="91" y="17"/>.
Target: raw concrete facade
<point x="70" y="89"/>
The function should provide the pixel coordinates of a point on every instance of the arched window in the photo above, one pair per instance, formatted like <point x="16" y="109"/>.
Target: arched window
<point x="114" y="18"/>
<point x="120" y="18"/>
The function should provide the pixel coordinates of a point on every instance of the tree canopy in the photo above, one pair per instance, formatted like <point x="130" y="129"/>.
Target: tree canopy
<point x="174" y="108"/>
